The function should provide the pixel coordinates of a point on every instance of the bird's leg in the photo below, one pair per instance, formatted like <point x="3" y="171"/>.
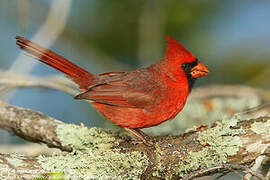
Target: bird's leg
<point x="141" y="135"/>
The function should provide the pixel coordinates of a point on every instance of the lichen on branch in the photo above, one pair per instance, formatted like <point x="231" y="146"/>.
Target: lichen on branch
<point x="101" y="153"/>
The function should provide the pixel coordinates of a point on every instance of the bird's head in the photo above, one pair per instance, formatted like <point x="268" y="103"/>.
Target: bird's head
<point x="179" y="57"/>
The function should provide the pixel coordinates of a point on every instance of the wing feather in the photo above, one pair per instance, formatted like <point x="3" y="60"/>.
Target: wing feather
<point x="117" y="92"/>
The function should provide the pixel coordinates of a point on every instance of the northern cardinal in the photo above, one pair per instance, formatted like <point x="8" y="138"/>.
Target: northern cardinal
<point x="135" y="99"/>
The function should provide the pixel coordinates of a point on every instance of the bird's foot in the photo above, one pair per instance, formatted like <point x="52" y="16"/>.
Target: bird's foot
<point x="142" y="137"/>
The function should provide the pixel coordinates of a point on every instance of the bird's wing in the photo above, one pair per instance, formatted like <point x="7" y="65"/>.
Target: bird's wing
<point x="117" y="91"/>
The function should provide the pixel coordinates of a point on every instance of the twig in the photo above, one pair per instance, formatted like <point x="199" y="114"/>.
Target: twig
<point x="230" y="167"/>
<point x="261" y="110"/>
<point x="255" y="167"/>
<point x="11" y="81"/>
<point x="48" y="32"/>
<point x="229" y="90"/>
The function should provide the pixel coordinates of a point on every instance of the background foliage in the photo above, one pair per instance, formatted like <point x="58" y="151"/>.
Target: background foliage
<point x="230" y="37"/>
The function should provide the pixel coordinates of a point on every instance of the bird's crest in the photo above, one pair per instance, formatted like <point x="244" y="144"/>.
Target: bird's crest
<point x="175" y="51"/>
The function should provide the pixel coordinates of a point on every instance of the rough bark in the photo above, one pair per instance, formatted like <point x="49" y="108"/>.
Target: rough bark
<point x="30" y="125"/>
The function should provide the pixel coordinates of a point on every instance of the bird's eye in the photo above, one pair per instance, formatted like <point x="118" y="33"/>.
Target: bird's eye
<point x="184" y="65"/>
<point x="189" y="66"/>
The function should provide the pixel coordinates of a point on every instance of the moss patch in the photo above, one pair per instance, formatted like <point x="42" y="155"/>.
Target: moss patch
<point x="93" y="156"/>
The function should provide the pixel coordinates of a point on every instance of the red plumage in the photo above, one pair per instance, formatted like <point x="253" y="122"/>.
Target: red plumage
<point x="136" y="99"/>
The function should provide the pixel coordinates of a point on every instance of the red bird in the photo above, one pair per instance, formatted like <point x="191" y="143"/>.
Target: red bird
<point x="136" y="99"/>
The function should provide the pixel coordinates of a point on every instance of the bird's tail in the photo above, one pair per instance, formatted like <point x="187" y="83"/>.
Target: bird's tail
<point x="80" y="76"/>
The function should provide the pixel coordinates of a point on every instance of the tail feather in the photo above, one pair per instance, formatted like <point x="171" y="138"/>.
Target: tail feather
<point x="80" y="76"/>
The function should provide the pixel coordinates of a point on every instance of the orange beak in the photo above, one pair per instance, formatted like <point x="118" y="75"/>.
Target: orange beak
<point x="199" y="71"/>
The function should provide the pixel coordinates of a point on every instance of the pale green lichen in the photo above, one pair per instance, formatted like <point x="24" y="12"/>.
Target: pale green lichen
<point x="82" y="138"/>
<point x="159" y="154"/>
<point x="220" y="142"/>
<point x="92" y="156"/>
<point x="109" y="164"/>
<point x="260" y="127"/>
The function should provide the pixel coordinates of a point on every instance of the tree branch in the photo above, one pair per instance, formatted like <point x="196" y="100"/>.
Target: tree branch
<point x="30" y="125"/>
<point x="234" y="140"/>
<point x="11" y="81"/>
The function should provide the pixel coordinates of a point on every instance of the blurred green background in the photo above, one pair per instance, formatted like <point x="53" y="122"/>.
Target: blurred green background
<point x="232" y="38"/>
